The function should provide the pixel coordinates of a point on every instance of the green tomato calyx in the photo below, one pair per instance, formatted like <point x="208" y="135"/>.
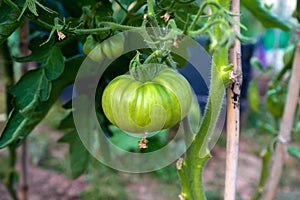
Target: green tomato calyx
<point x="144" y="72"/>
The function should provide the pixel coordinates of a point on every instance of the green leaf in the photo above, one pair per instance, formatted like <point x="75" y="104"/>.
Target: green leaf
<point x="31" y="6"/>
<point x="288" y="55"/>
<point x="30" y="105"/>
<point x="294" y="151"/>
<point x="50" y="55"/>
<point x="79" y="155"/>
<point x="18" y="127"/>
<point x="267" y="18"/>
<point x="102" y="11"/>
<point x="123" y="140"/>
<point x="128" y="142"/>
<point x="255" y="62"/>
<point x="28" y="90"/>
<point x="253" y="95"/>
<point x="8" y="21"/>
<point x="54" y="63"/>
<point x="296" y="12"/>
<point x="268" y="128"/>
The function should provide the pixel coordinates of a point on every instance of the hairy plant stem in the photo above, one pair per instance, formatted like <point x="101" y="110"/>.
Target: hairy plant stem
<point x="9" y="82"/>
<point x="191" y="167"/>
<point x="150" y="8"/>
<point x="153" y="55"/>
<point x="110" y="26"/>
<point x="200" y="12"/>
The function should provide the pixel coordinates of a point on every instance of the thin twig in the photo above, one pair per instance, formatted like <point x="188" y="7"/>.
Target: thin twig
<point x="24" y="41"/>
<point x="233" y="112"/>
<point x="265" y="157"/>
<point x="8" y="74"/>
<point x="10" y="176"/>
<point x="24" y="171"/>
<point x="286" y="126"/>
<point x="9" y="82"/>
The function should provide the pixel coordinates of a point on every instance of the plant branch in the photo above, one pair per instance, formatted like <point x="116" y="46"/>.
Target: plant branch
<point x="24" y="169"/>
<point x="110" y="26"/>
<point x="39" y="21"/>
<point x="153" y="55"/>
<point x="233" y="111"/>
<point x="10" y="176"/>
<point x="190" y="172"/>
<point x="207" y="26"/>
<point x="150" y="11"/>
<point x="9" y="82"/>
<point x="8" y="75"/>
<point x="265" y="157"/>
<point x="200" y="11"/>
<point x="23" y="47"/>
<point x="285" y="126"/>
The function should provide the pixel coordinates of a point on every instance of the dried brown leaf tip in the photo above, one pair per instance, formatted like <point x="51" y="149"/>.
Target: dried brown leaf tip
<point x="143" y="143"/>
<point x="177" y="41"/>
<point x="61" y="36"/>
<point x="181" y="197"/>
<point x="166" y="17"/>
<point x="179" y="163"/>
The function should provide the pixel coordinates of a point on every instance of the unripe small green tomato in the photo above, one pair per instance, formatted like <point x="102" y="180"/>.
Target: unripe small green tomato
<point x="111" y="48"/>
<point x="114" y="46"/>
<point x="89" y="44"/>
<point x="93" y="49"/>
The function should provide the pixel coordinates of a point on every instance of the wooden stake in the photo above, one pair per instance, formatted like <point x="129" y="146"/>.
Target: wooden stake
<point x="233" y="112"/>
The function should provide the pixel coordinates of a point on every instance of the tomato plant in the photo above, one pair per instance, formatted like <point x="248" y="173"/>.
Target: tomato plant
<point x="62" y="33"/>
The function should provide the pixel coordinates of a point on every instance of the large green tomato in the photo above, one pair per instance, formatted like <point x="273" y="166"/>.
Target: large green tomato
<point x="149" y="106"/>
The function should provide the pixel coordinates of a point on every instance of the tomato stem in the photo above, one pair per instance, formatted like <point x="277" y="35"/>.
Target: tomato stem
<point x="155" y="54"/>
<point x="150" y="8"/>
<point x="198" y="153"/>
